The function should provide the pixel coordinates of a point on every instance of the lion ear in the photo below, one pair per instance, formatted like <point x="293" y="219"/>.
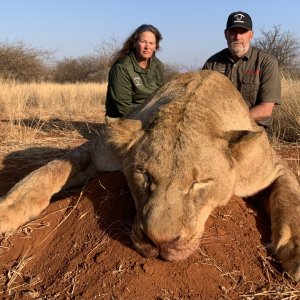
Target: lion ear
<point x="235" y="116"/>
<point x="229" y="111"/>
<point x="123" y="133"/>
<point x="234" y="120"/>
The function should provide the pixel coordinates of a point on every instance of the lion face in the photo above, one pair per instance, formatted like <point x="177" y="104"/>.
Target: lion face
<point x="177" y="161"/>
<point x="174" y="193"/>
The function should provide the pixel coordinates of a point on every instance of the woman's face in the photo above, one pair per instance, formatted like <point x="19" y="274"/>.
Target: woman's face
<point x="145" y="46"/>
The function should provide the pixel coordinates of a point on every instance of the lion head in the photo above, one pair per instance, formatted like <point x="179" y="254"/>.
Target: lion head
<point x="177" y="160"/>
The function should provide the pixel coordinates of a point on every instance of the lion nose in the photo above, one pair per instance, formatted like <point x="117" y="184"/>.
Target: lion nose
<point x="160" y="239"/>
<point x="162" y="221"/>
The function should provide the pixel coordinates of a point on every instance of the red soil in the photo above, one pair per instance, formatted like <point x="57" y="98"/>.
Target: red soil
<point x="80" y="248"/>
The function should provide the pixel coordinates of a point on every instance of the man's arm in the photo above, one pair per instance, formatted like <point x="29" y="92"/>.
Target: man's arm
<point x="262" y="110"/>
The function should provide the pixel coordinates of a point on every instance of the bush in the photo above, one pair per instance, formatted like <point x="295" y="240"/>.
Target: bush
<point x="22" y="63"/>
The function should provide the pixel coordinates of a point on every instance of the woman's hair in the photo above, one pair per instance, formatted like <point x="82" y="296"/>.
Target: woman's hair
<point x="128" y="45"/>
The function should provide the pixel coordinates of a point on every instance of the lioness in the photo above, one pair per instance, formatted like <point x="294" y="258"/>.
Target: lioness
<point x="184" y="152"/>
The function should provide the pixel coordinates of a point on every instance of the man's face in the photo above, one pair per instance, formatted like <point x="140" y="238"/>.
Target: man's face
<point x="238" y="41"/>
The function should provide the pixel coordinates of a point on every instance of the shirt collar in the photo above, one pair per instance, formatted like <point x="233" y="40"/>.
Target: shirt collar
<point x="246" y="57"/>
<point x="248" y="53"/>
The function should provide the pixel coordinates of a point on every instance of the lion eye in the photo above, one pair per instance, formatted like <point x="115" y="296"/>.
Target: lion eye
<point x="147" y="181"/>
<point x="144" y="180"/>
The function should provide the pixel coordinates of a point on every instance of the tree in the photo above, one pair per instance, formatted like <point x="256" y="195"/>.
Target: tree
<point x="88" y="68"/>
<point x="105" y="51"/>
<point x="284" y="45"/>
<point x="81" y="69"/>
<point x="22" y="63"/>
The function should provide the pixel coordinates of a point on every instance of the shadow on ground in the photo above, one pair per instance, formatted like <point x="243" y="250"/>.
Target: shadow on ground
<point x="88" y="130"/>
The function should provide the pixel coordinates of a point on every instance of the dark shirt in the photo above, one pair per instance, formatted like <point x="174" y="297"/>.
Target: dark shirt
<point x="129" y="85"/>
<point x="256" y="75"/>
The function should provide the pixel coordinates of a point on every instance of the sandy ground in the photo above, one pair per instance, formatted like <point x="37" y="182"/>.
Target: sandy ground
<point x="80" y="248"/>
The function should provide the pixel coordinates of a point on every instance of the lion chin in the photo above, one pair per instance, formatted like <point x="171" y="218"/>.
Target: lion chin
<point x="169" y="251"/>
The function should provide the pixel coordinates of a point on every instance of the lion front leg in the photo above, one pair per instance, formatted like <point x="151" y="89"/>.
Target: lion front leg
<point x="26" y="200"/>
<point x="30" y="196"/>
<point x="285" y="222"/>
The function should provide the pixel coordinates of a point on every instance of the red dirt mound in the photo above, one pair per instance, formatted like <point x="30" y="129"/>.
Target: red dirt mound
<point x="80" y="248"/>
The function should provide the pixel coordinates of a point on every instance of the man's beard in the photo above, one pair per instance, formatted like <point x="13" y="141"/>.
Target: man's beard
<point x="237" y="48"/>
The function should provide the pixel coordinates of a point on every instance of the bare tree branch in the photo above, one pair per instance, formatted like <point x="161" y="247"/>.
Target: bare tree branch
<point x="284" y="45"/>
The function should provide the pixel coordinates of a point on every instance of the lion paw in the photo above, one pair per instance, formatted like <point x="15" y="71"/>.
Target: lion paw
<point x="289" y="256"/>
<point x="11" y="218"/>
<point x="7" y="222"/>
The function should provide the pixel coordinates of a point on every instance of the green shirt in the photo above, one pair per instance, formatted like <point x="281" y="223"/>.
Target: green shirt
<point x="255" y="75"/>
<point x="129" y="85"/>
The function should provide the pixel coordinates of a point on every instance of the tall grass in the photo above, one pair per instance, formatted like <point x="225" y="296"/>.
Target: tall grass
<point x="286" y="123"/>
<point x="37" y="103"/>
<point x="26" y="109"/>
<point x="51" y="100"/>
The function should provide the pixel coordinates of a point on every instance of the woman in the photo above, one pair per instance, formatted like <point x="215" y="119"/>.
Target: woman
<point x="135" y="73"/>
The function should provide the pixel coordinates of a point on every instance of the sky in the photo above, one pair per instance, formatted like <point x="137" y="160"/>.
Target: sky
<point x="192" y="30"/>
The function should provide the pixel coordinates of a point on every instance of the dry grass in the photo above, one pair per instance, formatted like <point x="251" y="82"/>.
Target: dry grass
<point x="51" y="100"/>
<point x="14" y="273"/>
<point x="29" y="110"/>
<point x="286" y="125"/>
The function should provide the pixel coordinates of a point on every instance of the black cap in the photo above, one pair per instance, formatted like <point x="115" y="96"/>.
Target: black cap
<point x="239" y="19"/>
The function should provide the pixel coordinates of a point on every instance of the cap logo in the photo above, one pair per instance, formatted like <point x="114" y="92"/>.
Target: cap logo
<point x="239" y="18"/>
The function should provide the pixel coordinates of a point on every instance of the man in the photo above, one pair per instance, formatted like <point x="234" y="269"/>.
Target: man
<point x="254" y="72"/>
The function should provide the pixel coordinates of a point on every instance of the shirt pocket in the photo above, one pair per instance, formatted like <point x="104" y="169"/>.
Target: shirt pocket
<point x="249" y="89"/>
